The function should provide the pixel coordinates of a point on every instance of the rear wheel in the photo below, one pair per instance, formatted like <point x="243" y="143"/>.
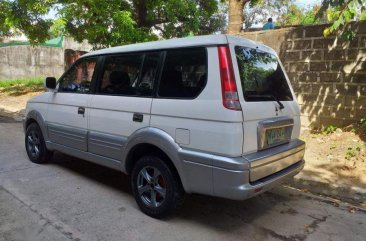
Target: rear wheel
<point x="156" y="187"/>
<point x="35" y="145"/>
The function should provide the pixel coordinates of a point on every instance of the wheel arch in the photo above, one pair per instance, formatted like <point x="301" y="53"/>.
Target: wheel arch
<point x="36" y="117"/>
<point x="153" y="141"/>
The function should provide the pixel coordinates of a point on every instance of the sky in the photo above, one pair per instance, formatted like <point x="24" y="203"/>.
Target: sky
<point x="306" y="3"/>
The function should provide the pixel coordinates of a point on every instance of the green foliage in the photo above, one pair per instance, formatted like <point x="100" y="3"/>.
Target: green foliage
<point x="363" y="121"/>
<point x="353" y="151"/>
<point x="340" y="13"/>
<point x="329" y="129"/>
<point x="107" y="23"/>
<point x="21" y="86"/>
<point x="5" y="27"/>
<point x="363" y="15"/>
<point x="26" y="16"/>
<point x="300" y="16"/>
<point x="58" y="28"/>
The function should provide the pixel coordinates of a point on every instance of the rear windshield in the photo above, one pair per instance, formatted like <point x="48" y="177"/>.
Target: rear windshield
<point x="261" y="75"/>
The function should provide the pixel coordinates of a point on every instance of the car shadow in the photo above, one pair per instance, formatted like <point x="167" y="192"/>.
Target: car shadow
<point x="229" y="215"/>
<point x="106" y="176"/>
<point x="217" y="213"/>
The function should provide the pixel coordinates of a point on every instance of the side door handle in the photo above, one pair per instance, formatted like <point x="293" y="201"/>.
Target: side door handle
<point x="81" y="110"/>
<point x="138" y="117"/>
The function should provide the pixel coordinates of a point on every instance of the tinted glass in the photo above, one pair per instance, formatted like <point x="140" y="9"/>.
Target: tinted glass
<point x="144" y="85"/>
<point x="184" y="74"/>
<point x="120" y="75"/>
<point x="261" y="76"/>
<point x="78" y="78"/>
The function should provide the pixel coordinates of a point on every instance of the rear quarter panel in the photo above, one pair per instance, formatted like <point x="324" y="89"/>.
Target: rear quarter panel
<point x="211" y="127"/>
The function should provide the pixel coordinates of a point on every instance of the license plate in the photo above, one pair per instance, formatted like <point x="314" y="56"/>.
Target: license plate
<point x="275" y="136"/>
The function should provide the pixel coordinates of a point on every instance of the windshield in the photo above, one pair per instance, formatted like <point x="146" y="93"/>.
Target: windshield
<point x="261" y="75"/>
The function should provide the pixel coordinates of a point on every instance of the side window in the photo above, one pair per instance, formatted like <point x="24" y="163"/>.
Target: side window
<point x="184" y="74"/>
<point x="144" y="86"/>
<point x="78" y="78"/>
<point x="121" y="75"/>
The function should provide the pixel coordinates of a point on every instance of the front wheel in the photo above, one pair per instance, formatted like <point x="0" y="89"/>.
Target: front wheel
<point x="156" y="187"/>
<point x="35" y="145"/>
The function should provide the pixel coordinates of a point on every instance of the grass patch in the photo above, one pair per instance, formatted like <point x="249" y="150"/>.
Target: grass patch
<point x="21" y="86"/>
<point x="329" y="129"/>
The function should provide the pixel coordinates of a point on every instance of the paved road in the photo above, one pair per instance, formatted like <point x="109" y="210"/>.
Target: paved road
<point x="70" y="199"/>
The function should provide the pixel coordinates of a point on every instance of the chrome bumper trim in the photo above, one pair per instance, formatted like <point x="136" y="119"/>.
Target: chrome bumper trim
<point x="235" y="185"/>
<point x="267" y="162"/>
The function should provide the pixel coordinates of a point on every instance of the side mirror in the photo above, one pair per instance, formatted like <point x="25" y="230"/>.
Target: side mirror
<point x="50" y="83"/>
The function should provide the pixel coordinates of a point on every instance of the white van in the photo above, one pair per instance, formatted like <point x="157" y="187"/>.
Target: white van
<point x="214" y="115"/>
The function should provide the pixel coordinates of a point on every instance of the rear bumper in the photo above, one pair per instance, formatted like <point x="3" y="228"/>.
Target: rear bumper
<point x="267" y="162"/>
<point x="237" y="186"/>
<point x="242" y="177"/>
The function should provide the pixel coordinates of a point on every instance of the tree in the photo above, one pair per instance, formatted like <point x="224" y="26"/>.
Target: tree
<point x="107" y="23"/>
<point x="340" y="13"/>
<point x="25" y="16"/>
<point x="5" y="29"/>
<point x="251" y="11"/>
<point x="261" y="10"/>
<point x="236" y="15"/>
<point x="299" y="16"/>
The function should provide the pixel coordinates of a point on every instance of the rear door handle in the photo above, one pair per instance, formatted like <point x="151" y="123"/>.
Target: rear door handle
<point x="138" y="117"/>
<point x="81" y="111"/>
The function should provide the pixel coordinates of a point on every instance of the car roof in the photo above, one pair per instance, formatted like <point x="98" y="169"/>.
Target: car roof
<point x="206" y="40"/>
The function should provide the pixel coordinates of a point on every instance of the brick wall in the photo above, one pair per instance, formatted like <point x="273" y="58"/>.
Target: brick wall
<point x="328" y="75"/>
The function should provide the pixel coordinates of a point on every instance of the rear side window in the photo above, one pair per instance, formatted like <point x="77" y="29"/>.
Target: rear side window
<point x="120" y="74"/>
<point x="261" y="75"/>
<point x="184" y="73"/>
<point x="78" y="78"/>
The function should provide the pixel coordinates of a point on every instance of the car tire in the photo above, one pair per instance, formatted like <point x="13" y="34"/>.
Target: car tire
<point x="35" y="145"/>
<point x="156" y="187"/>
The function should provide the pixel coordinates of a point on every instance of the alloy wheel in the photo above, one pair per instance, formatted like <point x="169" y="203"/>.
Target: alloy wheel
<point x="151" y="186"/>
<point x="33" y="143"/>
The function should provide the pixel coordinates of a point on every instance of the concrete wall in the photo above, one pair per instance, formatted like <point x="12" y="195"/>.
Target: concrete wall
<point x="19" y="62"/>
<point x="328" y="74"/>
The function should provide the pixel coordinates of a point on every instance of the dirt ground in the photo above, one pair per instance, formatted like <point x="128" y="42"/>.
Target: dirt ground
<point x="14" y="106"/>
<point x="335" y="162"/>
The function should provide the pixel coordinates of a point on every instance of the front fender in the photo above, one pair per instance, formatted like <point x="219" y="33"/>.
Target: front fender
<point x="39" y="119"/>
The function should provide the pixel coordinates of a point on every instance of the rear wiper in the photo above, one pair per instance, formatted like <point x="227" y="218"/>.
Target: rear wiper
<point x="272" y="97"/>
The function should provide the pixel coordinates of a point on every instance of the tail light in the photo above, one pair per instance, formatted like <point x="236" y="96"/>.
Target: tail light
<point x="230" y="95"/>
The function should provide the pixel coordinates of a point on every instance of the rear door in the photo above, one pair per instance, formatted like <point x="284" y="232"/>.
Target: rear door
<point x="270" y="111"/>
<point x="67" y="120"/>
<point x="122" y="101"/>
